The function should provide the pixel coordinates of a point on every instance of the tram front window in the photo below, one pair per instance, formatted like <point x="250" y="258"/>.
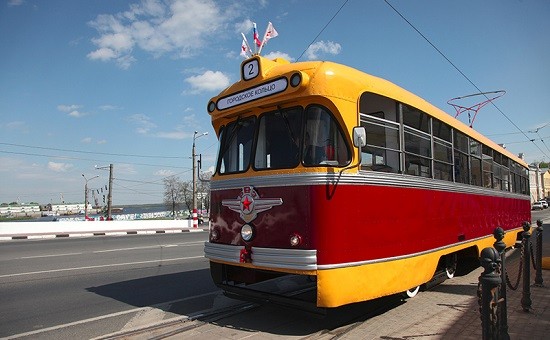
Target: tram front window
<point x="324" y="143"/>
<point x="236" y="146"/>
<point x="279" y="139"/>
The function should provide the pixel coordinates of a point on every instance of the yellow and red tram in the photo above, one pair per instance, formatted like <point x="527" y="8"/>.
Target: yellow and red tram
<point x="331" y="173"/>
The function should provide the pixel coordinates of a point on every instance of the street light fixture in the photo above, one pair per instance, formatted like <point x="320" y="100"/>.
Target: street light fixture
<point x="195" y="220"/>
<point x="86" y="195"/>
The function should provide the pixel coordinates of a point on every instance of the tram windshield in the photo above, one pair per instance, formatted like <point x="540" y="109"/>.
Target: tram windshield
<point x="281" y="139"/>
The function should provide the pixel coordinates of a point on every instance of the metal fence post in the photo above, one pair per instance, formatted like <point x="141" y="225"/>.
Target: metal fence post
<point x="538" y="277"/>
<point x="500" y="246"/>
<point x="489" y="280"/>
<point x="526" y="293"/>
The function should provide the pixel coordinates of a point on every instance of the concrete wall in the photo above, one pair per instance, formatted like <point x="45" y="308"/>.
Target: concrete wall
<point x="11" y="230"/>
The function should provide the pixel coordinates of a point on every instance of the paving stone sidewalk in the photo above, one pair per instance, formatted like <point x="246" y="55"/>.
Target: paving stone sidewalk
<point x="451" y="311"/>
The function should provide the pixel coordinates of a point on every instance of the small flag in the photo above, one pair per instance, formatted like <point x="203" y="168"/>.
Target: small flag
<point x="256" y="38"/>
<point x="246" y="45"/>
<point x="269" y="33"/>
<point x="244" y="49"/>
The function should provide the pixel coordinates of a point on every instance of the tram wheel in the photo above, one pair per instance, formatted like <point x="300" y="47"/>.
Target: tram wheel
<point x="450" y="265"/>
<point x="410" y="293"/>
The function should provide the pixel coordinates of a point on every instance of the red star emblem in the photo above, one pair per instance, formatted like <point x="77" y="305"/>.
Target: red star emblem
<point x="246" y="203"/>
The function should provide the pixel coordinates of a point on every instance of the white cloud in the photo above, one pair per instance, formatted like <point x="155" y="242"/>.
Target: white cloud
<point x="165" y="173"/>
<point x="59" y="167"/>
<point x="17" y="126"/>
<point x="279" y="54"/>
<point x="178" y="28"/>
<point x="322" y="47"/>
<point x="143" y="122"/>
<point x="174" y="134"/>
<point x="72" y="110"/>
<point x="86" y="140"/>
<point x="102" y="141"/>
<point x="208" y="81"/>
<point x="68" y="108"/>
<point x="108" y="107"/>
<point x="13" y="3"/>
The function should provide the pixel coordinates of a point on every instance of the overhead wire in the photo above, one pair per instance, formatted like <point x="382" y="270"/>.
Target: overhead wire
<point x="321" y="31"/>
<point x="463" y="74"/>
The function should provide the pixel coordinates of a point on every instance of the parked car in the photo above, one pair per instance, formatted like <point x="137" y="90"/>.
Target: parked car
<point x="544" y="204"/>
<point x="537" y="206"/>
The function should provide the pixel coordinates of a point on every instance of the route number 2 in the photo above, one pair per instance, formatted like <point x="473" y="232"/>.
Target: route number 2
<point x="251" y="69"/>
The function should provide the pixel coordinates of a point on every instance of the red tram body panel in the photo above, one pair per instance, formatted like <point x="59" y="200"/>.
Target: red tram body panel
<point x="361" y="234"/>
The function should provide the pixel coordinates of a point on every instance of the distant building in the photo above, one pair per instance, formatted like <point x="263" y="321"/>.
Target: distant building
<point x="545" y="176"/>
<point x="20" y="210"/>
<point x="539" y="182"/>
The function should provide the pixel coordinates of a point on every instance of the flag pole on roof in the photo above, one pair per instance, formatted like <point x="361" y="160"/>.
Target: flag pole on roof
<point x="246" y="51"/>
<point x="270" y="32"/>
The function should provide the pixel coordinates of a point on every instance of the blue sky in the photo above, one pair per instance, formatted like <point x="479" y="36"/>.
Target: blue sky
<point x="85" y="83"/>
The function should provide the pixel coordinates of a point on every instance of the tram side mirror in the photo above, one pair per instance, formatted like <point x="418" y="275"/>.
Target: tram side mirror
<point x="359" y="136"/>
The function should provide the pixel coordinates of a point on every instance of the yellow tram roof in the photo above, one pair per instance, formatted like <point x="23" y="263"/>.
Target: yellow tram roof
<point x="329" y="79"/>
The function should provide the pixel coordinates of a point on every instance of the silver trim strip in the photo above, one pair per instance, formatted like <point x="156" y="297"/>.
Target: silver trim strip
<point x="222" y="252"/>
<point x="299" y="259"/>
<point x="361" y="178"/>
<point x="285" y="258"/>
<point x="296" y="259"/>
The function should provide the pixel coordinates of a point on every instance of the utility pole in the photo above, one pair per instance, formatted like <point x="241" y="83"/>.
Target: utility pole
<point x="195" y="217"/>
<point x="86" y="195"/>
<point x="110" y="194"/>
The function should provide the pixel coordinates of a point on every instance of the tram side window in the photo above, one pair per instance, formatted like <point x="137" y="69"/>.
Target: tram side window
<point x="487" y="156"/>
<point x="279" y="139"/>
<point x="443" y="160"/>
<point x="378" y="106"/>
<point x="461" y="149"/>
<point x="324" y="143"/>
<point x="382" y="150"/>
<point x="236" y="146"/>
<point x="417" y="154"/>
<point x="475" y="163"/>
<point x="505" y="173"/>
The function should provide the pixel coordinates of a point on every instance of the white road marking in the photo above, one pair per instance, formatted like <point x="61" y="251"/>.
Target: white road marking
<point x="53" y="255"/>
<point x="101" y="317"/>
<point x="100" y="266"/>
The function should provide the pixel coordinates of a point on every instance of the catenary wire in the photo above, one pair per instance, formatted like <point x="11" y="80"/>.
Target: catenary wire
<point x="463" y="74"/>
<point x="321" y="31"/>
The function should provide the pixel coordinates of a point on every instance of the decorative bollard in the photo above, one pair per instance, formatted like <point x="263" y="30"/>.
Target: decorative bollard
<point x="489" y="281"/>
<point x="538" y="277"/>
<point x="526" y="293"/>
<point x="500" y="246"/>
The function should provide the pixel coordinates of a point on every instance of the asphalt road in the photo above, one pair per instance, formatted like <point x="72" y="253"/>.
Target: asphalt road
<point x="53" y="282"/>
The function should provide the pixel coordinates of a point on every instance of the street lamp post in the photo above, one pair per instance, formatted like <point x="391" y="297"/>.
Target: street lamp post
<point x="86" y="195"/>
<point x="195" y="217"/>
<point x="110" y="194"/>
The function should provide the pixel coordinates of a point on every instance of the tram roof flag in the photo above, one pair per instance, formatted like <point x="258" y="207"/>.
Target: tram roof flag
<point x="256" y="37"/>
<point x="270" y="32"/>
<point x="245" y="47"/>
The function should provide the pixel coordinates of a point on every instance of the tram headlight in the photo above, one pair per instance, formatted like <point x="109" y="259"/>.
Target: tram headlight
<point x="247" y="232"/>
<point x="214" y="234"/>
<point x="295" y="240"/>
<point x="295" y="79"/>
<point x="211" y="107"/>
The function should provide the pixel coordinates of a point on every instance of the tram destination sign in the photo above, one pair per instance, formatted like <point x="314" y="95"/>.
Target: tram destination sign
<point x="252" y="93"/>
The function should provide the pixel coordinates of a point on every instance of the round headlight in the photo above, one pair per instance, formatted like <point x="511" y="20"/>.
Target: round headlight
<point x="211" y="106"/>
<point x="247" y="232"/>
<point x="295" y="79"/>
<point x="295" y="240"/>
<point x="214" y="235"/>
